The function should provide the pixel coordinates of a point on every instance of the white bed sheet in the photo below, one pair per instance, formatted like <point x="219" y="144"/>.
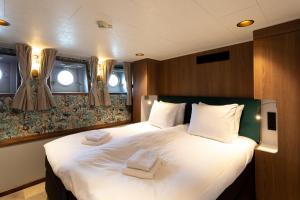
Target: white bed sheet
<point x="65" y="148"/>
<point x="193" y="167"/>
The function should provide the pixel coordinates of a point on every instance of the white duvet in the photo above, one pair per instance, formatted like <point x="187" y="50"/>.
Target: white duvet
<point x="193" y="167"/>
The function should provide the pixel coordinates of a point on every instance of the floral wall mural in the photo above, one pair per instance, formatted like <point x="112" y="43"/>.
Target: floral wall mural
<point x="71" y="112"/>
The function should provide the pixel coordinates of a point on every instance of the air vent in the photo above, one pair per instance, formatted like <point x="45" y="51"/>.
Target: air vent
<point x="103" y="24"/>
<point x="215" y="57"/>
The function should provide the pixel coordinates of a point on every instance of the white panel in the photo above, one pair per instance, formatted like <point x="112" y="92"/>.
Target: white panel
<point x="280" y="11"/>
<point x="225" y="7"/>
<point x="159" y="28"/>
<point x="22" y="164"/>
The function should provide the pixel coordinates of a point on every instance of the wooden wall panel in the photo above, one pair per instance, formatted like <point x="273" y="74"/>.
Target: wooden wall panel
<point x="232" y="78"/>
<point x="139" y="73"/>
<point x="277" y="77"/>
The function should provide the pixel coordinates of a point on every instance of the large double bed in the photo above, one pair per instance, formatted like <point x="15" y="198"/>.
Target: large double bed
<point x="193" y="167"/>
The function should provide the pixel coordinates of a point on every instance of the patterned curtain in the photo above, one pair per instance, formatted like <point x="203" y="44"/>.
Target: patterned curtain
<point x="45" y="99"/>
<point x="107" y="68"/>
<point x="23" y="97"/>
<point x="128" y="78"/>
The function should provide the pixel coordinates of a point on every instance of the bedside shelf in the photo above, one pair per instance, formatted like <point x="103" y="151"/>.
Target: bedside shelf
<point x="267" y="148"/>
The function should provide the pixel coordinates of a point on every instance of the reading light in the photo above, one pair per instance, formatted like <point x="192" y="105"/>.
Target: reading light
<point x="4" y="22"/>
<point x="258" y="117"/>
<point x="245" y="23"/>
<point x="139" y="54"/>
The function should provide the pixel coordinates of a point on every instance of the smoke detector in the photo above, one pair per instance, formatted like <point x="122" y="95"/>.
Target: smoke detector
<point x="103" y="24"/>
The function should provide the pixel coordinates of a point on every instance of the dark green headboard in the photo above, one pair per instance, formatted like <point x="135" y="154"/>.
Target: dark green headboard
<point x="249" y="126"/>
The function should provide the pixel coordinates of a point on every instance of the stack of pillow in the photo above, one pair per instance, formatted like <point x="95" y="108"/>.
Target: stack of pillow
<point x="217" y="122"/>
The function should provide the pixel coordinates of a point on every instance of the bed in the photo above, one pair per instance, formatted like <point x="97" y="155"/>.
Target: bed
<point x="193" y="168"/>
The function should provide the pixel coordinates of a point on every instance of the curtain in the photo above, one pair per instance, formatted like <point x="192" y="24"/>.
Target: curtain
<point x="45" y="99"/>
<point x="23" y="97"/>
<point x="106" y="72"/>
<point x="94" y="92"/>
<point x="128" y="78"/>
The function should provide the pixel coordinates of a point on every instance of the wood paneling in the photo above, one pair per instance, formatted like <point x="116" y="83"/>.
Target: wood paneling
<point x="277" y="77"/>
<point x="139" y="73"/>
<point x="230" y="78"/>
<point x="144" y="83"/>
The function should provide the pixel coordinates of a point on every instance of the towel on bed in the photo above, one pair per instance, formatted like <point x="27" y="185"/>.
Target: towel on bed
<point x="142" y="174"/>
<point x="96" y="138"/>
<point x="142" y="160"/>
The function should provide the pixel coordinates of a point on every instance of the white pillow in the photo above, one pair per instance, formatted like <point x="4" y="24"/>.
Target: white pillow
<point x="180" y="112"/>
<point x="163" y="115"/>
<point x="214" y="122"/>
<point x="237" y="117"/>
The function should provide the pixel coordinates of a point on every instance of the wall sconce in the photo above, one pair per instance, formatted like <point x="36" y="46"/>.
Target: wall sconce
<point x="35" y="66"/>
<point x="99" y="71"/>
<point x="98" y="77"/>
<point x="148" y="100"/>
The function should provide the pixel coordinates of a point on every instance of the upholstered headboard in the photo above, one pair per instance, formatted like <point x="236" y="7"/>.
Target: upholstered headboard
<point x="249" y="126"/>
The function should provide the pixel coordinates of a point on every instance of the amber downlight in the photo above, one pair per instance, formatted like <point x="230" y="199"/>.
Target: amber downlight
<point x="245" y="23"/>
<point x="4" y="23"/>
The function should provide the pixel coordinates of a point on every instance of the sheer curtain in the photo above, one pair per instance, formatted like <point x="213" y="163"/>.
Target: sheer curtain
<point x="23" y="97"/>
<point x="107" y="68"/>
<point x="128" y="78"/>
<point x="94" y="92"/>
<point x="45" y="99"/>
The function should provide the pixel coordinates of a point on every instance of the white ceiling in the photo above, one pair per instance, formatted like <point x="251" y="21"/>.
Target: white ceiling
<point x="160" y="29"/>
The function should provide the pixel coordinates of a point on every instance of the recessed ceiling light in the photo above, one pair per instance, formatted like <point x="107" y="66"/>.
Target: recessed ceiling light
<point x="245" y="23"/>
<point x="4" y="23"/>
<point x="139" y="54"/>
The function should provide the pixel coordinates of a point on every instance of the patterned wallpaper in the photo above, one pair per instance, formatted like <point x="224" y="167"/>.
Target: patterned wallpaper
<point x="72" y="111"/>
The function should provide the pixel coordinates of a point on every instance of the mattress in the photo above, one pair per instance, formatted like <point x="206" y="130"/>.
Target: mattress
<point x="193" y="167"/>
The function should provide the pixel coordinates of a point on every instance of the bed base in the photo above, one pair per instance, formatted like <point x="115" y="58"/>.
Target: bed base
<point x="243" y="188"/>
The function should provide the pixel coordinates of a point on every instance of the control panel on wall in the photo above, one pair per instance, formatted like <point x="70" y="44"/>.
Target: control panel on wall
<point x="269" y="126"/>
<point x="271" y="121"/>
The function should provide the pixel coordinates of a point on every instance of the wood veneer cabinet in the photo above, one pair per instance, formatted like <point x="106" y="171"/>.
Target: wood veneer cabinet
<point x="277" y="77"/>
<point x="144" y="83"/>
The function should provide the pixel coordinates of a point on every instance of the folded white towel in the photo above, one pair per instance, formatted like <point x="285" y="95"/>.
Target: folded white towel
<point x="142" y="160"/>
<point x="142" y="174"/>
<point x="97" y="136"/>
<point x="92" y="143"/>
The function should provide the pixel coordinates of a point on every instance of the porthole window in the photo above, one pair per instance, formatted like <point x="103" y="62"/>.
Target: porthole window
<point x="117" y="82"/>
<point x="113" y="80"/>
<point x="0" y="74"/>
<point x="65" y="78"/>
<point x="69" y="77"/>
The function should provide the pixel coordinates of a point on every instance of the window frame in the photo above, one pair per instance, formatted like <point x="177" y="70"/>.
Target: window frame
<point x="72" y="60"/>
<point x="118" y="67"/>
<point x="10" y="52"/>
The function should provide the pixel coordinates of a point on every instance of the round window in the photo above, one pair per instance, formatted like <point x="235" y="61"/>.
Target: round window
<point x="65" y="78"/>
<point x="1" y="74"/>
<point x="113" y="80"/>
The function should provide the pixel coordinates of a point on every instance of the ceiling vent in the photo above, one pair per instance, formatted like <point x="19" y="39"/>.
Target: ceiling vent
<point x="103" y="24"/>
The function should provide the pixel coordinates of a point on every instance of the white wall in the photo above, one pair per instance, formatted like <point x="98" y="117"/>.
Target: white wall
<point x="21" y="164"/>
